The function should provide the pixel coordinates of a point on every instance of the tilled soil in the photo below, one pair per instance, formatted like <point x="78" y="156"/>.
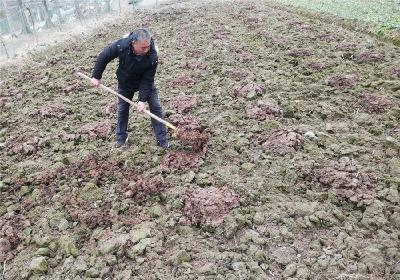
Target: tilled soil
<point x="296" y="176"/>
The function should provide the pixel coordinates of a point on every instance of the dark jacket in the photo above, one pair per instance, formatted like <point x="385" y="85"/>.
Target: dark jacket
<point x="133" y="74"/>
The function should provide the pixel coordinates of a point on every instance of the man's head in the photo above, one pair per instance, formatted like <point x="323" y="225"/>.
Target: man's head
<point x="141" y="39"/>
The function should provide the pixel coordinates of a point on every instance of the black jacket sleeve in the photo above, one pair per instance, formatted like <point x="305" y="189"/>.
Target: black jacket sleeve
<point x="146" y="82"/>
<point x="108" y="54"/>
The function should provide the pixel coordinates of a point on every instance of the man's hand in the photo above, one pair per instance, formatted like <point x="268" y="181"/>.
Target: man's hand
<point x="96" y="82"/>
<point x="141" y="106"/>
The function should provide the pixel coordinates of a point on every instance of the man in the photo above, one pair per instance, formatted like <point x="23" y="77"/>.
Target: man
<point x="136" y="70"/>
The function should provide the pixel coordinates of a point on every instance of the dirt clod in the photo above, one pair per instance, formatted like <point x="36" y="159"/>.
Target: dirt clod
<point x="343" y="177"/>
<point x="144" y="188"/>
<point x="190" y="131"/>
<point x="300" y="52"/>
<point x="183" y="161"/>
<point x="328" y="37"/>
<point x="346" y="46"/>
<point x="182" y="104"/>
<point x="373" y="103"/>
<point x="110" y="109"/>
<point x="72" y="87"/>
<point x="11" y="226"/>
<point x="209" y="206"/>
<point x="249" y="89"/>
<point x="342" y="81"/>
<point x="315" y="65"/>
<point x="396" y="72"/>
<point x="261" y="110"/>
<point x="193" y="65"/>
<point x="53" y="111"/>
<point x="368" y="57"/>
<point x="281" y="141"/>
<point x="237" y="74"/>
<point x="182" y="81"/>
<point x="24" y="146"/>
<point x="94" y="130"/>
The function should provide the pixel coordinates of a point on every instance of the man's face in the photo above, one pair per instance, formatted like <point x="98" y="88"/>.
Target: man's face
<point x="141" y="47"/>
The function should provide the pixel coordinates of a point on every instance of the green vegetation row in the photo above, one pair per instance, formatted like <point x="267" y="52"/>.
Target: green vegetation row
<point x="383" y="16"/>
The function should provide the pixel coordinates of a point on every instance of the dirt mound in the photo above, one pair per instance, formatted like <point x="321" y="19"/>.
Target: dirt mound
<point x="397" y="129"/>
<point x="94" y="130"/>
<point x="9" y="95"/>
<point x="196" y="138"/>
<point x="53" y="111"/>
<point x="182" y="104"/>
<point x="111" y="108"/>
<point x="191" y="132"/>
<point x="244" y="57"/>
<point x="396" y="72"/>
<point x="241" y="55"/>
<point x="209" y="206"/>
<point x="249" y="89"/>
<point x="183" y="161"/>
<point x="366" y="56"/>
<point x="55" y="61"/>
<point x="186" y="121"/>
<point x="373" y="103"/>
<point x="89" y="215"/>
<point x="90" y="205"/>
<point x="281" y="141"/>
<point x="262" y="110"/>
<point x="346" y="46"/>
<point x="144" y="188"/>
<point x="300" y="52"/>
<point x="67" y="137"/>
<point x="193" y="65"/>
<point x="328" y="38"/>
<point x="11" y="227"/>
<point x="22" y="147"/>
<point x="73" y="87"/>
<point x="315" y="65"/>
<point x="253" y="22"/>
<point x="182" y="81"/>
<point x="98" y="169"/>
<point x="237" y="74"/>
<point x="191" y="52"/>
<point x="344" y="178"/>
<point x="220" y="33"/>
<point x="301" y="26"/>
<point x="342" y="81"/>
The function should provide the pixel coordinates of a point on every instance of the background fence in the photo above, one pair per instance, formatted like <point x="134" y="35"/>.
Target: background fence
<point x="24" y="17"/>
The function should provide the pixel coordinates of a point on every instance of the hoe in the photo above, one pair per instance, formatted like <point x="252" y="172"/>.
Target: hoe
<point x="195" y="138"/>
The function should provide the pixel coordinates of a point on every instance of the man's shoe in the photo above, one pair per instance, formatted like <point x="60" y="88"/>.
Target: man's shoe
<point x="120" y="144"/>
<point x="164" y="144"/>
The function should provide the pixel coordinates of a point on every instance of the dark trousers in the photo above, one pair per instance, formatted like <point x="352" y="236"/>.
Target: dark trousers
<point x="159" y="129"/>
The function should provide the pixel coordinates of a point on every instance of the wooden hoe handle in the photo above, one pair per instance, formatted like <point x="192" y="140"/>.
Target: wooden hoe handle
<point x="129" y="101"/>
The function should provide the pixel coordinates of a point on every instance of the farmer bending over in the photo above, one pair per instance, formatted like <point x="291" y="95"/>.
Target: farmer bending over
<point x="137" y="66"/>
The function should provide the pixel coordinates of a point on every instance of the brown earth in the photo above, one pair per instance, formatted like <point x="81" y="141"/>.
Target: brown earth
<point x="261" y="110"/>
<point x="209" y="206"/>
<point x="183" y="104"/>
<point x="281" y="141"/>
<point x="318" y="186"/>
